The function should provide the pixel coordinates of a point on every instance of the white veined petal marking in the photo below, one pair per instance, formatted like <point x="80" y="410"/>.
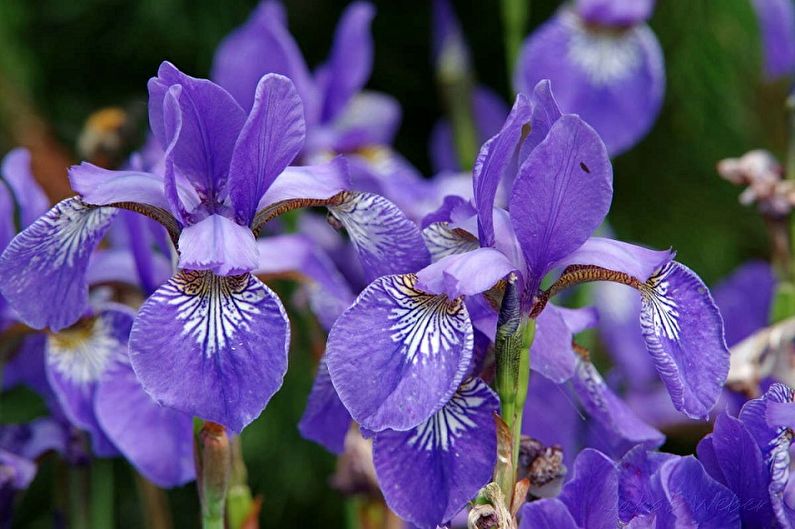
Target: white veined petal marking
<point x="69" y="225"/>
<point x="81" y="353"/>
<point x="442" y="241"/>
<point x="362" y="216"/>
<point x="778" y="459"/>
<point x="440" y="431"/>
<point x="213" y="308"/>
<point x="606" y="55"/>
<point x="660" y="313"/>
<point x="425" y="324"/>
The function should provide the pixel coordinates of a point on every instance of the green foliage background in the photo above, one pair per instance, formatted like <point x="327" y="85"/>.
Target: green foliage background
<point x="71" y="58"/>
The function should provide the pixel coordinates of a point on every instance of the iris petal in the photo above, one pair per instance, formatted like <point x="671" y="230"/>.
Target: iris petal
<point x="43" y="270"/>
<point x="683" y="331"/>
<point x="218" y="244"/>
<point x="325" y="419"/>
<point x="547" y="513"/>
<point x="78" y="359"/>
<point x="385" y="239"/>
<point x="614" y="80"/>
<point x="398" y="354"/>
<point x="157" y="440"/>
<point x="429" y="473"/>
<point x="561" y="195"/>
<point x="212" y="346"/>
<point x="271" y="138"/>
<point x="616" y="428"/>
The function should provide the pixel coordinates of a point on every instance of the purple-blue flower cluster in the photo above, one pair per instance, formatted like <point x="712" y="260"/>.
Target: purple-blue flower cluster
<point x="457" y="307"/>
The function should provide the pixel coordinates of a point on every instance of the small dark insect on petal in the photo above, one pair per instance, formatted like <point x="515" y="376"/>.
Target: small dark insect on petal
<point x="585" y="168"/>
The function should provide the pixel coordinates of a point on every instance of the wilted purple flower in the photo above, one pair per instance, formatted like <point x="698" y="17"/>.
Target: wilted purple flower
<point x="777" y="28"/>
<point x="763" y="177"/>
<point x="642" y="490"/>
<point x="605" y="63"/>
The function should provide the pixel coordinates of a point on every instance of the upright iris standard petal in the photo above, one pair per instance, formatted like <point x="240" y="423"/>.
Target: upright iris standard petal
<point x="616" y="428"/>
<point x="561" y="195"/>
<point x="157" y="440"/>
<point x="78" y="359"/>
<point x="262" y="45"/>
<point x="592" y="493"/>
<point x="547" y="513"/>
<point x="42" y="272"/>
<point x="218" y="244"/>
<point x="398" y="354"/>
<point x="545" y="113"/>
<point x="613" y="78"/>
<point x="465" y="274"/>
<point x="777" y="28"/>
<point x="325" y="419"/>
<point x="694" y="499"/>
<point x="683" y="331"/>
<point x="351" y="58"/>
<point x="492" y="162"/>
<point x="226" y="337"/>
<point x="429" y="473"/>
<point x="271" y="138"/>
<point x="385" y="239"/>
<point x="201" y="123"/>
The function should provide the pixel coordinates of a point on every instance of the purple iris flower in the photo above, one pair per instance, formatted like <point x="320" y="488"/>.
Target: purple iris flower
<point x="642" y="490"/>
<point x="750" y="454"/>
<point x="420" y="343"/>
<point x="213" y="340"/>
<point x="605" y="63"/>
<point x="341" y="117"/>
<point x="777" y="28"/>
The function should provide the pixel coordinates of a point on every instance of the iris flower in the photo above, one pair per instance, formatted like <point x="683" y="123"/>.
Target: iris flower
<point x="212" y="341"/>
<point x="605" y="63"/>
<point x="419" y="346"/>
<point x="642" y="490"/>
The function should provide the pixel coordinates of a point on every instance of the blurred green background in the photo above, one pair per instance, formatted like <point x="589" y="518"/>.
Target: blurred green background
<point x="61" y="60"/>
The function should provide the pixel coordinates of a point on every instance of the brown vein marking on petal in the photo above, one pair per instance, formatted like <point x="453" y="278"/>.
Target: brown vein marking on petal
<point x="269" y="213"/>
<point x="163" y="217"/>
<point x="577" y="274"/>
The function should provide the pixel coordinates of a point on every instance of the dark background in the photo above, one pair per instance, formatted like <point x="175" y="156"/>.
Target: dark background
<point x="60" y="60"/>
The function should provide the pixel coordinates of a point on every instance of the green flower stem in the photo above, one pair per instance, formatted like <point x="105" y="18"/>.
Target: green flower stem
<point x="513" y="378"/>
<point x="102" y="493"/>
<point x="514" y="19"/>
<point x="78" y="497"/>
<point x="239" y="501"/>
<point x="213" y="469"/>
<point x="154" y="501"/>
